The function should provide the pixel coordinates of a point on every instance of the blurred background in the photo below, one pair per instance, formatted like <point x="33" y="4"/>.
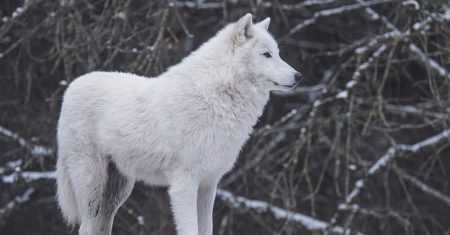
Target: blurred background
<point x="361" y="147"/>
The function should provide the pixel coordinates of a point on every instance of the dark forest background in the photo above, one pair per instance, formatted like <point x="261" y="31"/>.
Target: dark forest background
<point x="361" y="147"/>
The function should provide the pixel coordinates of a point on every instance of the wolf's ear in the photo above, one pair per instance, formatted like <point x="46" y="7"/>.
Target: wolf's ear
<point x="243" y="29"/>
<point x="264" y="23"/>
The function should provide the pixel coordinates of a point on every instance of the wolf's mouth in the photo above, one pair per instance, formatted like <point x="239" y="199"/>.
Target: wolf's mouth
<point x="287" y="86"/>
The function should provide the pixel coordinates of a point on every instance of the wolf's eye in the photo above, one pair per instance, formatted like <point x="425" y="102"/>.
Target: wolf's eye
<point x="267" y="54"/>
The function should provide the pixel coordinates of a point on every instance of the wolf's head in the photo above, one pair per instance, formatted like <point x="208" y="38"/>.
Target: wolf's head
<point x="255" y="48"/>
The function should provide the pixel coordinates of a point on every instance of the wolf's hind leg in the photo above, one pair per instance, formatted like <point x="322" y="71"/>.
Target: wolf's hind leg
<point x="102" y="203"/>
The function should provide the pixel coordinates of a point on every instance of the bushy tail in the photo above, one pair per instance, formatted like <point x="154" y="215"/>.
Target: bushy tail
<point x="66" y="195"/>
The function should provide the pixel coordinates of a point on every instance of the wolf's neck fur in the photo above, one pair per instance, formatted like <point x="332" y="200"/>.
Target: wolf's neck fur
<point x="230" y="89"/>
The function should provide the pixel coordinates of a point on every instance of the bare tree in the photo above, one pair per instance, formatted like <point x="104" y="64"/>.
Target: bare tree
<point x="360" y="148"/>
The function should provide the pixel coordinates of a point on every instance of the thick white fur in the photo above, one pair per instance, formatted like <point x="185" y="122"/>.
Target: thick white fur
<point x="183" y="129"/>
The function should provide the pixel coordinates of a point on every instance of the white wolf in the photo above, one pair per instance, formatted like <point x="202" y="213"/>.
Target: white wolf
<point x="183" y="129"/>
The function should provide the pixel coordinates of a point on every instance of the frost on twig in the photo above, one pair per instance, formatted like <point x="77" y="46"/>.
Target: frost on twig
<point x="202" y="5"/>
<point x="17" y="201"/>
<point x="428" y="61"/>
<point x="334" y="11"/>
<point x="308" y="222"/>
<point x="36" y="150"/>
<point x="17" y="12"/>
<point x="388" y="157"/>
<point x="425" y="188"/>
<point x="28" y="176"/>
<point x="442" y="17"/>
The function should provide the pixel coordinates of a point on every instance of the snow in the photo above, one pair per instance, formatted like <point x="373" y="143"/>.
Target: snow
<point x="121" y="15"/>
<point x="350" y="84"/>
<point x="369" y="61"/>
<point x="36" y="150"/>
<point x="29" y="176"/>
<point x="14" y="164"/>
<point x="11" y="165"/>
<point x="39" y="150"/>
<point x="288" y="115"/>
<point x="12" y="135"/>
<point x="308" y="222"/>
<point x="342" y="95"/>
<point x="433" y="64"/>
<point x="427" y="142"/>
<point x="63" y="83"/>
<point x="358" y="186"/>
<point x="383" y="161"/>
<point x="411" y="2"/>
<point x="390" y="154"/>
<point x="140" y="220"/>
<point x="317" y="103"/>
<point x="425" y="188"/>
<point x="361" y="50"/>
<point x="446" y="15"/>
<point x="412" y="47"/>
<point x="334" y="11"/>
<point x="17" y="12"/>
<point x="17" y="201"/>
<point x="303" y="130"/>
<point x="373" y="15"/>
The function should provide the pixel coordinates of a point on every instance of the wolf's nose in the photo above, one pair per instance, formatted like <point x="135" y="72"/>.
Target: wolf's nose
<point x="298" y="76"/>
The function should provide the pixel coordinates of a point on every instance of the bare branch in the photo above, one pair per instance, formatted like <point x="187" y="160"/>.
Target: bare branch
<point x="18" y="200"/>
<point x="36" y="150"/>
<point x="388" y="157"/>
<point x="333" y="11"/>
<point x="308" y="222"/>
<point x="425" y="188"/>
<point x="28" y="176"/>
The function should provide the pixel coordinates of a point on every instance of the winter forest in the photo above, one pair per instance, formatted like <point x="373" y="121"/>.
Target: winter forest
<point x="362" y="146"/>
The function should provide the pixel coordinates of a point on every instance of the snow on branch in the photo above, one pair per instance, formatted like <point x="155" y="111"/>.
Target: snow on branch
<point x="344" y="94"/>
<point x="269" y="4"/>
<point x="17" y="12"/>
<point x="410" y="109"/>
<point x="300" y="5"/>
<point x="396" y="33"/>
<point x="199" y="5"/>
<point x="230" y="199"/>
<point x="382" y="162"/>
<point x="308" y="222"/>
<point x="18" y="200"/>
<point x="427" y="60"/>
<point x="432" y="141"/>
<point x="11" y="165"/>
<point x="442" y="17"/>
<point x="334" y="11"/>
<point x="369" y="61"/>
<point x="12" y="135"/>
<point x="390" y="154"/>
<point x="36" y="150"/>
<point x="425" y="188"/>
<point x="28" y="176"/>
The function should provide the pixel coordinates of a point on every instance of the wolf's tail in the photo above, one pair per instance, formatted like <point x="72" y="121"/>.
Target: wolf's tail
<point x="66" y="195"/>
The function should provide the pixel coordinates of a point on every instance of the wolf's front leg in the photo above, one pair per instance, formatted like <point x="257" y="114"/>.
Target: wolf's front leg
<point x="183" y="197"/>
<point x="205" y="205"/>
